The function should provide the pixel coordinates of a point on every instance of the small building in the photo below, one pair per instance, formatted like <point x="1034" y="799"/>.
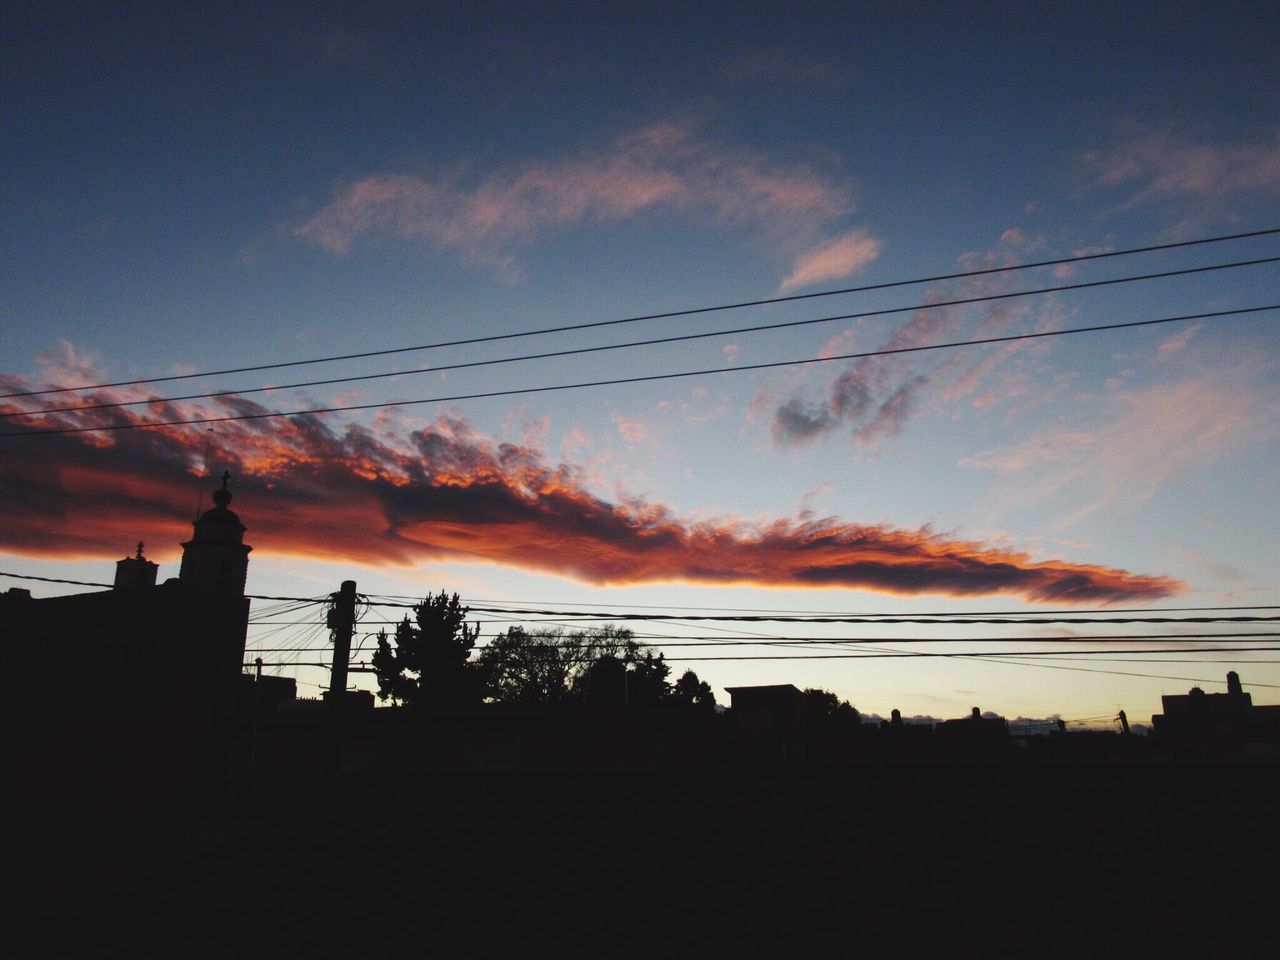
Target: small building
<point x="776" y="708"/>
<point x="973" y="731"/>
<point x="1216" y="717"/>
<point x="131" y="692"/>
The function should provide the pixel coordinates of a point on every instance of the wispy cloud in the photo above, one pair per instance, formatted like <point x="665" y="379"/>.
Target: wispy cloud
<point x="832" y="260"/>
<point x="314" y="487"/>
<point x="1171" y="166"/>
<point x="661" y="168"/>
<point x="1151" y="436"/>
<point x="1178" y="341"/>
<point x="631" y="429"/>
<point x="67" y="365"/>
<point x="874" y="398"/>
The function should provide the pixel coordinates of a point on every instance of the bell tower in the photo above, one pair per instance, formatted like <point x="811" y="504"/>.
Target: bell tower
<point x="216" y="559"/>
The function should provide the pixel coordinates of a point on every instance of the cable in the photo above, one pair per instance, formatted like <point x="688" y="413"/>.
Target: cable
<point x="988" y="271"/>
<point x="994" y="657"/>
<point x="678" y="338"/>
<point x="1124" y="673"/>
<point x="898" y="654"/>
<point x="553" y="388"/>
<point x="76" y="583"/>
<point x="944" y="613"/>
<point x="850" y="618"/>
<point x="664" y="642"/>
<point x="974" y="654"/>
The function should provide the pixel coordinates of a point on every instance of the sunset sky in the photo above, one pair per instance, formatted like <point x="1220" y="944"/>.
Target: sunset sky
<point x="193" y="188"/>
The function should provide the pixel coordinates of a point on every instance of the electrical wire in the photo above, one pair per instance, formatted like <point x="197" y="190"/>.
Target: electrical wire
<point x="622" y="381"/>
<point x="681" y="338"/>
<point x="865" y="288"/>
<point x="1023" y="618"/>
<point x="666" y="642"/>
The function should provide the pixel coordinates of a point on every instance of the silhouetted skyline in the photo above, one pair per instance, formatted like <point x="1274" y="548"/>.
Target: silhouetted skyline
<point x="194" y="189"/>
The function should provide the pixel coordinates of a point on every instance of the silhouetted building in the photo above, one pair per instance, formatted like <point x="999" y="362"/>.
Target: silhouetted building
<point x="777" y="708"/>
<point x="136" y="572"/>
<point x="216" y="559"/>
<point x="1230" y="716"/>
<point x="129" y="694"/>
<point x="972" y="731"/>
<point x="768" y="723"/>
<point x="265" y="696"/>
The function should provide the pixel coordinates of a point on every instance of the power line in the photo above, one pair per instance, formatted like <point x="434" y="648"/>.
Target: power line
<point x="1121" y="673"/>
<point x="891" y="654"/>
<point x="944" y="613"/>
<point x="845" y="618"/>
<point x="649" y="378"/>
<point x="994" y="617"/>
<point x="76" y="583"/>
<point x="952" y="654"/>
<point x="669" y="640"/>
<point x="1012" y="659"/>
<point x="733" y="331"/>
<point x="865" y="288"/>
<point x="833" y="613"/>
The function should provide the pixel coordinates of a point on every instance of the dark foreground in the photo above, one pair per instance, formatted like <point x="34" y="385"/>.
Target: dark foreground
<point x="1045" y="861"/>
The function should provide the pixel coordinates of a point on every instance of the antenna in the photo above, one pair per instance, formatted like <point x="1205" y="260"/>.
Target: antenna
<point x="204" y="476"/>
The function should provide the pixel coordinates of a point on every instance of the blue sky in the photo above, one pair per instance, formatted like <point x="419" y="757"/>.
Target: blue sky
<point x="198" y="187"/>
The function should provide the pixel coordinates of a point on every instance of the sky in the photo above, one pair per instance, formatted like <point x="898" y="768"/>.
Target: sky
<point x="204" y="187"/>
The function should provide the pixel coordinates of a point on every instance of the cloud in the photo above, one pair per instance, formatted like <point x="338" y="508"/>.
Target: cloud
<point x="876" y="397"/>
<point x="1178" y="341"/>
<point x="1224" y="572"/>
<point x="1153" y="435"/>
<point x="663" y="168"/>
<point x="65" y="365"/>
<point x="631" y="429"/>
<point x="1208" y="180"/>
<point x="575" y="441"/>
<point x="832" y="260"/>
<point x="314" y="487"/>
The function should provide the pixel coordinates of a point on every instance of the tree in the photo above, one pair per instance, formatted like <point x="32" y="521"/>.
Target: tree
<point x="647" y="677"/>
<point x="825" y="711"/>
<point x="603" y="665"/>
<point x="692" y="692"/>
<point x="540" y="666"/>
<point x="430" y="663"/>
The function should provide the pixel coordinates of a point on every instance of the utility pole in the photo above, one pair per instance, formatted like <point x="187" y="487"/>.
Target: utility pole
<point x="342" y="622"/>
<point x="257" y="709"/>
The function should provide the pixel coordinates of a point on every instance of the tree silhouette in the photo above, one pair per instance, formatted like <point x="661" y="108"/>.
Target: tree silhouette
<point x="429" y="665"/>
<point x="605" y="665"/>
<point x="692" y="692"/>
<point x="647" y="677"/>
<point x="538" y="666"/>
<point x="825" y="711"/>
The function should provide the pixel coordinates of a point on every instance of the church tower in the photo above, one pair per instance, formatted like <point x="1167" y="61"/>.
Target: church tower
<point x="216" y="559"/>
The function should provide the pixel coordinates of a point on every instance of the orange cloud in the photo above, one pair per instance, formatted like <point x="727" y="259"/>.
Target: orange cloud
<point x="308" y="486"/>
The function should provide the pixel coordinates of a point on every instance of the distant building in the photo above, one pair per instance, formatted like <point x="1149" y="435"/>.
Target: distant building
<point x="777" y="708"/>
<point x="129" y="694"/>
<point x="973" y="731"/>
<point x="1230" y="716"/>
